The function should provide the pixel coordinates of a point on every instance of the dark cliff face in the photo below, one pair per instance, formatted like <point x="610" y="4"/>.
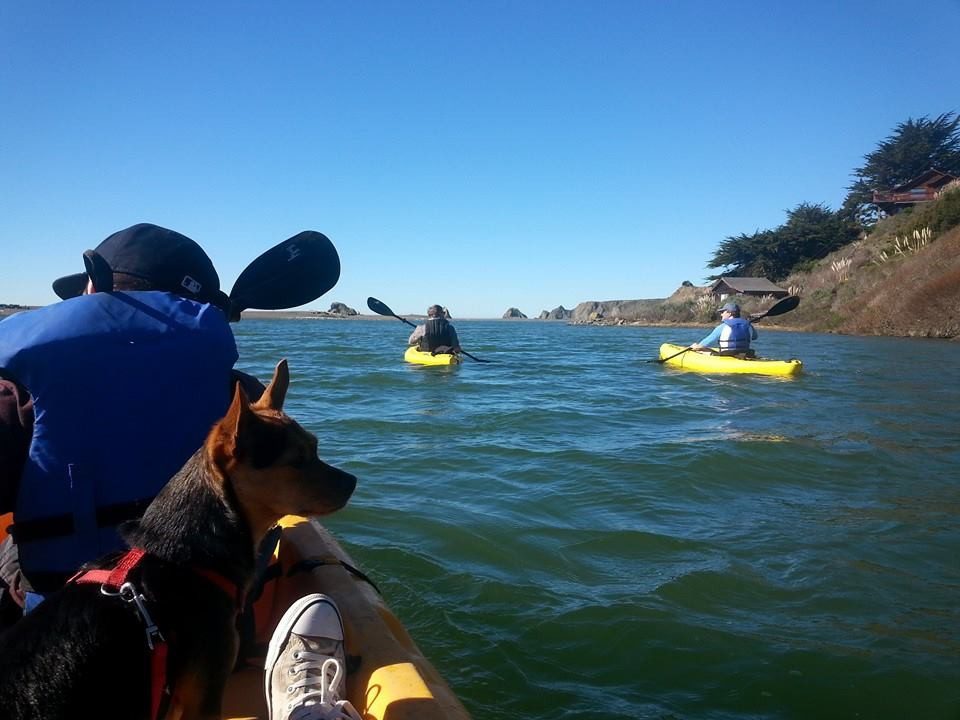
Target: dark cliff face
<point x="514" y="313"/>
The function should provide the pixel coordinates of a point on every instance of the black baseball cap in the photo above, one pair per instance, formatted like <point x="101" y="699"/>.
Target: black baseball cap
<point x="164" y="258"/>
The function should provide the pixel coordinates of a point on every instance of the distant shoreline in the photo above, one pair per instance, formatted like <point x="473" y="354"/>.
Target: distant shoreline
<point x="289" y="315"/>
<point x="323" y="315"/>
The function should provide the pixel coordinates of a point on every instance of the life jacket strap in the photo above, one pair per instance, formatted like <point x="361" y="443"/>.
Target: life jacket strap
<point x="42" y="528"/>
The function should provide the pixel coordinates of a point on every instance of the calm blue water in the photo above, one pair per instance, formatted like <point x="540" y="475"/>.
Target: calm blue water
<point x="574" y="532"/>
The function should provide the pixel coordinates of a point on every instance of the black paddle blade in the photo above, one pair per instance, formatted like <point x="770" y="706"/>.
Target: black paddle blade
<point x="379" y="308"/>
<point x="293" y="273"/>
<point x="782" y="306"/>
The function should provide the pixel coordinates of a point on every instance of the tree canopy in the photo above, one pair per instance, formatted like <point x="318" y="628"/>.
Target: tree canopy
<point x="810" y="233"/>
<point x="914" y="147"/>
<point x="813" y="231"/>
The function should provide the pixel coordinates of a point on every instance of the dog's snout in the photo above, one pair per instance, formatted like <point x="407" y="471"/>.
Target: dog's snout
<point x="346" y="482"/>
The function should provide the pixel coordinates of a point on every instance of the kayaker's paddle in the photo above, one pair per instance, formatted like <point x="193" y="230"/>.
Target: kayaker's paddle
<point x="783" y="305"/>
<point x="381" y="309"/>
<point x="293" y="273"/>
<point x="670" y="357"/>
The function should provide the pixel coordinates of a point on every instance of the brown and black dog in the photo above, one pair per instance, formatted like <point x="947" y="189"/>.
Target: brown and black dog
<point x="87" y="650"/>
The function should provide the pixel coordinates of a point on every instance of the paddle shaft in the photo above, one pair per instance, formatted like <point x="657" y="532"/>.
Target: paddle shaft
<point x="671" y="357"/>
<point x="473" y="357"/>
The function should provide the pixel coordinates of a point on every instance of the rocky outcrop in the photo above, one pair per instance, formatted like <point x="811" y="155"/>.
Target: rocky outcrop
<point x="688" y="303"/>
<point x="338" y="308"/>
<point x="558" y="313"/>
<point x="613" y="310"/>
<point x="513" y="313"/>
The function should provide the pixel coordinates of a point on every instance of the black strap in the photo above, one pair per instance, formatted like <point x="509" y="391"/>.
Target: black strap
<point x="53" y="526"/>
<point x="308" y="564"/>
<point x="45" y="582"/>
<point x="265" y="572"/>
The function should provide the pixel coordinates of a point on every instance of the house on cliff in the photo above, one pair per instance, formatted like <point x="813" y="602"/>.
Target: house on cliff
<point x="724" y="287"/>
<point x="923" y="188"/>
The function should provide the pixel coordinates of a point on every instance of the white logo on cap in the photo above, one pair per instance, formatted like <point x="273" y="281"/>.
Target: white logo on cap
<point x="293" y="252"/>
<point x="190" y="284"/>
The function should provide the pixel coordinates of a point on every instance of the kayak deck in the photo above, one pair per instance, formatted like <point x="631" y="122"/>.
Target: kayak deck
<point x="393" y="679"/>
<point x="709" y="363"/>
<point x="418" y="357"/>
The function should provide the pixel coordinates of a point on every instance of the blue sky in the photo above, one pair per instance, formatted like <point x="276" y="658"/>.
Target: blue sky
<point x="482" y="155"/>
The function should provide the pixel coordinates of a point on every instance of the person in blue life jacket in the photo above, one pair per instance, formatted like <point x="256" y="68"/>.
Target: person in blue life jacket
<point x="732" y="336"/>
<point x="437" y="334"/>
<point x="103" y="397"/>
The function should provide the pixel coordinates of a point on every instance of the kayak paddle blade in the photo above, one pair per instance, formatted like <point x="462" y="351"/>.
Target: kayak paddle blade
<point x="293" y="273"/>
<point x="784" y="305"/>
<point x="379" y="308"/>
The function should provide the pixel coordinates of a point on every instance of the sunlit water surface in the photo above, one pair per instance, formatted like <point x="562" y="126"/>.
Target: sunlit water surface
<point x="573" y="531"/>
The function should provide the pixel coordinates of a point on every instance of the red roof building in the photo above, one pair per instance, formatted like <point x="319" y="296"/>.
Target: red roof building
<point x="923" y="188"/>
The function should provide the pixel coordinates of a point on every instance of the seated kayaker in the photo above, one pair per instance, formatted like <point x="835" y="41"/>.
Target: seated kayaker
<point x="732" y="336"/>
<point x="437" y="334"/>
<point x="103" y="427"/>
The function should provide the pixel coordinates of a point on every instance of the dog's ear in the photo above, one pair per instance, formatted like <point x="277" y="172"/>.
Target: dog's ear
<point x="225" y="440"/>
<point x="276" y="392"/>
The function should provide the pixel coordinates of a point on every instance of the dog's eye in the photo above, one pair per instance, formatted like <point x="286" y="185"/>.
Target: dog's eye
<point x="306" y="453"/>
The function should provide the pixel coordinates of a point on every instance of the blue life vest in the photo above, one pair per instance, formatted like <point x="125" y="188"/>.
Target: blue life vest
<point x="738" y="335"/>
<point x="436" y="333"/>
<point x="125" y="388"/>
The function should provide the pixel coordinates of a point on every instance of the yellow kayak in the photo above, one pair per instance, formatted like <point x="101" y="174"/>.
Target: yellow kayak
<point x="412" y="355"/>
<point x="706" y="362"/>
<point x="393" y="680"/>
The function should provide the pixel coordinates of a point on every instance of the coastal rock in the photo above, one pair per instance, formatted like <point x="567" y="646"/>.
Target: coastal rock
<point x="514" y="313"/>
<point x="688" y="303"/>
<point x="558" y="313"/>
<point x="338" y="308"/>
<point x="607" y="310"/>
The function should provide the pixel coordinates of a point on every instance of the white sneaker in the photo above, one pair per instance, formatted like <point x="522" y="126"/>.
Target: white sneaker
<point x="305" y="671"/>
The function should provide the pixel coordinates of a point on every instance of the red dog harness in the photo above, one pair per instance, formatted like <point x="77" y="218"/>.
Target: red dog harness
<point x="114" y="583"/>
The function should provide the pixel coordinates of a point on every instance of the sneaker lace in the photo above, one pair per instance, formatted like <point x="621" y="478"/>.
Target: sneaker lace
<point x="321" y="698"/>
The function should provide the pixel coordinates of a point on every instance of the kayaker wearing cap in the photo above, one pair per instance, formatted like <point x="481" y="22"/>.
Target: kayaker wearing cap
<point x="105" y="395"/>
<point x="146" y="257"/>
<point x="437" y="334"/>
<point x="733" y="335"/>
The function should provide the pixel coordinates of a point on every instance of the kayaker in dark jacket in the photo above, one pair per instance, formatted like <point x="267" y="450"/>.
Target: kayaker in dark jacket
<point x="437" y="333"/>
<point x="104" y="396"/>
<point x="733" y="335"/>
